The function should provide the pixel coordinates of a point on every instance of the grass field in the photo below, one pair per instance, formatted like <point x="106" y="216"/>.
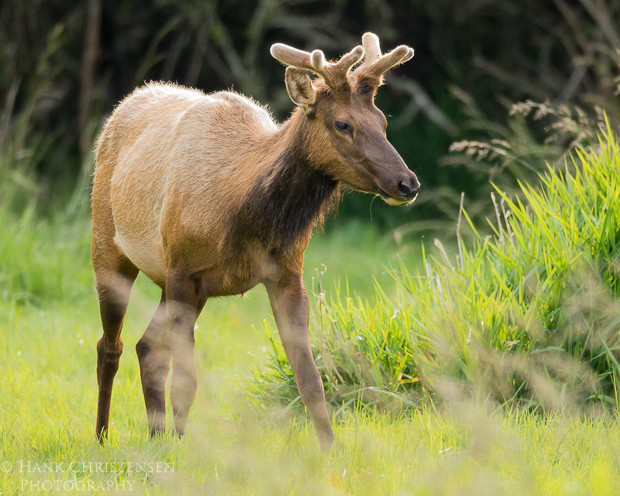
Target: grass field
<point x="48" y="329"/>
<point x="49" y="325"/>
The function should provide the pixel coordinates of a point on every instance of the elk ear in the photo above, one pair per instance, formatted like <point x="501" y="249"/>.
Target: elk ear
<point x="300" y="89"/>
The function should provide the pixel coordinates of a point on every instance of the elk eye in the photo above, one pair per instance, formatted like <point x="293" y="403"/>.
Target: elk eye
<point x="343" y="126"/>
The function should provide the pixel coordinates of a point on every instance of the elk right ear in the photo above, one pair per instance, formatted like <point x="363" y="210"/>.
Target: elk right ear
<point x="300" y="89"/>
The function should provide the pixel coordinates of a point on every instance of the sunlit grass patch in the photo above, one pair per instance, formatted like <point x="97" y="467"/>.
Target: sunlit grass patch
<point x="464" y="450"/>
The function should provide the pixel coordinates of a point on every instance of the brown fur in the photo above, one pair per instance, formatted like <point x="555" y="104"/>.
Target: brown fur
<point x="208" y="196"/>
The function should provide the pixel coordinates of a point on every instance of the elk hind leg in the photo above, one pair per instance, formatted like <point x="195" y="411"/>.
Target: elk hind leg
<point x="154" y="354"/>
<point x="113" y="288"/>
<point x="182" y="309"/>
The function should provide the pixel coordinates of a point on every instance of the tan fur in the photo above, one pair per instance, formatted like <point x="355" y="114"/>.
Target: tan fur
<point x="166" y="145"/>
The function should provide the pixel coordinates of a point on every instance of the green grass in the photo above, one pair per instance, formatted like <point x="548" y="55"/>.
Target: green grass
<point x="49" y="325"/>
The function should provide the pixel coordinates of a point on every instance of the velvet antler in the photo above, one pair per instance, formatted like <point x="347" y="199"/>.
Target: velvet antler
<point x="375" y="65"/>
<point x="334" y="74"/>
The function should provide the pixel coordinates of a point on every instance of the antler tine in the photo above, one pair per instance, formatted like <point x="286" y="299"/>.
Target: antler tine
<point x="291" y="56"/>
<point x="348" y="60"/>
<point x="333" y="73"/>
<point x="318" y="63"/>
<point x="375" y="64"/>
<point x="391" y="59"/>
<point x="372" y="51"/>
<point x="372" y="48"/>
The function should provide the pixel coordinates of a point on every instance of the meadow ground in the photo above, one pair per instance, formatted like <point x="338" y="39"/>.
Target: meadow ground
<point x="49" y="325"/>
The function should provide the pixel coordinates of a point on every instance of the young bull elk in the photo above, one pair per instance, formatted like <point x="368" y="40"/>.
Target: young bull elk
<point x="208" y="196"/>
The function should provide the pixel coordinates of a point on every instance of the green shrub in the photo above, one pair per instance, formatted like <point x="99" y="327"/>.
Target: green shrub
<point x="527" y="316"/>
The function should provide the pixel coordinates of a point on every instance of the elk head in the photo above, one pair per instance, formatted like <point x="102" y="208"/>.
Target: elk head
<point x="347" y="129"/>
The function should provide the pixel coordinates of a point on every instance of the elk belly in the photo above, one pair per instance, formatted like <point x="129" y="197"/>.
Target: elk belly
<point x="146" y="253"/>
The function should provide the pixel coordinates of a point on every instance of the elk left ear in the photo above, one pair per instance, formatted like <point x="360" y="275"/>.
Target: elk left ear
<point x="299" y="88"/>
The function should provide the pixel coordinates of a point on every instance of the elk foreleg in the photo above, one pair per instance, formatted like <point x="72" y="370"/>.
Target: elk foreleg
<point x="289" y="303"/>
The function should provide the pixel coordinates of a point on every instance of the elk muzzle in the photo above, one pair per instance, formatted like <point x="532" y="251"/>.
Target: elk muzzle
<point x="393" y="180"/>
<point x="404" y="191"/>
<point x="396" y="183"/>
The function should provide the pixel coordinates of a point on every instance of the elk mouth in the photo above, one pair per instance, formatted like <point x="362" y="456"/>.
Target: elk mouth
<point x="395" y="200"/>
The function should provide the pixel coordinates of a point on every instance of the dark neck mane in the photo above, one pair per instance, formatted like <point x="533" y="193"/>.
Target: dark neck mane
<point x="289" y="200"/>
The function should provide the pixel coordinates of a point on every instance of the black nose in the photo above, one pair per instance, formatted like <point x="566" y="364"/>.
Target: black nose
<point x="408" y="188"/>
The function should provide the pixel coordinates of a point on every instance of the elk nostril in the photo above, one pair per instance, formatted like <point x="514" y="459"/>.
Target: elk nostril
<point x="406" y="190"/>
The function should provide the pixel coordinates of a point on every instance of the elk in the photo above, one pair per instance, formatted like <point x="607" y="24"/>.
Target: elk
<point x="208" y="196"/>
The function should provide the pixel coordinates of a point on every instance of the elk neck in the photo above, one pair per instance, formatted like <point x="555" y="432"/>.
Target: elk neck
<point x="292" y="195"/>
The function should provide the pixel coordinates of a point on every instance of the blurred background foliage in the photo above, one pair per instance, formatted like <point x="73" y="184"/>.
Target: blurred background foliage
<point x="496" y="88"/>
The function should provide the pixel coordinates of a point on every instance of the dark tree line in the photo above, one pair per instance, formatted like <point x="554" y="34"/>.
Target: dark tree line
<point x="64" y="65"/>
